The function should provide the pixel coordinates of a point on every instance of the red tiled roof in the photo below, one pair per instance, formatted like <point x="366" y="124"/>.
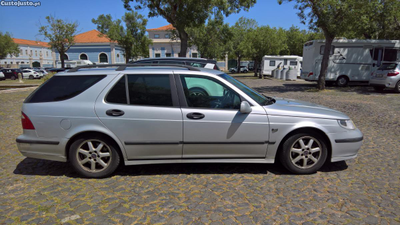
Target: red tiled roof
<point x="31" y="43"/>
<point x="92" y="37"/>
<point x="168" y="27"/>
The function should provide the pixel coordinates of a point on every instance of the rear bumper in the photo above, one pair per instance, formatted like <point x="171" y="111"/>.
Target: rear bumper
<point x="42" y="149"/>
<point x="389" y="82"/>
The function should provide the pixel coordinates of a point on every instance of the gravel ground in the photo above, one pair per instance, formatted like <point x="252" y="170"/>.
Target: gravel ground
<point x="365" y="190"/>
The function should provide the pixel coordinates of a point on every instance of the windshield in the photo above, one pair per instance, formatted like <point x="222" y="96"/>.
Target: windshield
<point x="259" y="98"/>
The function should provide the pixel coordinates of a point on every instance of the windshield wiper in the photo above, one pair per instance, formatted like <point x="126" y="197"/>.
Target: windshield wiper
<point x="269" y="100"/>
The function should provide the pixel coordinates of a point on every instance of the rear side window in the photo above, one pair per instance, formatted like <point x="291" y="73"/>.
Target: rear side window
<point x="59" y="88"/>
<point x="271" y="63"/>
<point x="117" y="94"/>
<point x="388" y="66"/>
<point x="152" y="90"/>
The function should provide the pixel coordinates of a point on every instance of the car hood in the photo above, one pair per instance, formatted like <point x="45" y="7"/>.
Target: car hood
<point x="296" y="108"/>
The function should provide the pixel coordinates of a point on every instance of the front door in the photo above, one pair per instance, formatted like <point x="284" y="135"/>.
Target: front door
<point x="143" y="112"/>
<point x="214" y="127"/>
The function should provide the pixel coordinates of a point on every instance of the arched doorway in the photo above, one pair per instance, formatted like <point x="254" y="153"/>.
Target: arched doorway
<point x="36" y="64"/>
<point x="83" y="56"/>
<point x="103" y="58"/>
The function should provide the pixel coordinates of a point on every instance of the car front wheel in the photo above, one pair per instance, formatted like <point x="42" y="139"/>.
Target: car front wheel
<point x="397" y="88"/>
<point x="304" y="153"/>
<point x="94" y="156"/>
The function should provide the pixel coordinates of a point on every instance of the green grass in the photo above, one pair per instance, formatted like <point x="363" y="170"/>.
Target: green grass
<point x="27" y="81"/>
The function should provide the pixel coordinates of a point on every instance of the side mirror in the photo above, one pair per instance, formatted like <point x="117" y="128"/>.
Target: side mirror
<point x="245" y="107"/>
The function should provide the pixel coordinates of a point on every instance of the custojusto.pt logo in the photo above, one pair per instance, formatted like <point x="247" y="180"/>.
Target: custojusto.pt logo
<point x="20" y="3"/>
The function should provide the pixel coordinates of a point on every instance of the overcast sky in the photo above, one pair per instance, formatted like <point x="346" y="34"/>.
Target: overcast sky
<point x="23" y="22"/>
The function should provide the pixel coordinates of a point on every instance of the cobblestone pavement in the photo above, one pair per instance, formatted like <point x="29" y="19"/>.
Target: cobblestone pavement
<point x="365" y="190"/>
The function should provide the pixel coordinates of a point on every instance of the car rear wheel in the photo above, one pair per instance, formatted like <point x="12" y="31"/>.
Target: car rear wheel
<point x="342" y="81"/>
<point x="94" y="156"/>
<point x="304" y="153"/>
<point x="397" y="88"/>
<point x="31" y="77"/>
<point x="13" y="77"/>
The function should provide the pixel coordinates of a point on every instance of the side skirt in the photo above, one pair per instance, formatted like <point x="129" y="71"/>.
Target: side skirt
<point x="169" y="161"/>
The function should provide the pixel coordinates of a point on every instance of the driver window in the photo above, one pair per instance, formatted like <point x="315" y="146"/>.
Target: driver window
<point x="205" y="92"/>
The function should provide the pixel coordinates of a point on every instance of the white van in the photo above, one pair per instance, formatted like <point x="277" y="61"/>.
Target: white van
<point x="271" y="62"/>
<point x="74" y="63"/>
<point x="349" y="60"/>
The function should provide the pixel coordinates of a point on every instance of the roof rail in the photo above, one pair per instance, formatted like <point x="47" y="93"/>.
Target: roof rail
<point x="122" y="67"/>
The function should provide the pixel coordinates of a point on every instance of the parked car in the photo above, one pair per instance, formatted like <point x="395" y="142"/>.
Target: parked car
<point x="11" y="73"/>
<point x="86" y="117"/>
<point x="195" y="62"/>
<point x="387" y="76"/>
<point x="243" y="69"/>
<point x="2" y="77"/>
<point x="31" y="74"/>
<point x="43" y="71"/>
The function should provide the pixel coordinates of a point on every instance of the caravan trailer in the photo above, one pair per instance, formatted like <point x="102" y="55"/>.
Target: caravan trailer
<point x="73" y="63"/>
<point x="271" y="62"/>
<point x="349" y="60"/>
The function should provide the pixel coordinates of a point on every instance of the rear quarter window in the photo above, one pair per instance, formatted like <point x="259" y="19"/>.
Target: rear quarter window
<point x="60" y="88"/>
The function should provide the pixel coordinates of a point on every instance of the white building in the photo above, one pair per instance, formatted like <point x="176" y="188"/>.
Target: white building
<point x="164" y="46"/>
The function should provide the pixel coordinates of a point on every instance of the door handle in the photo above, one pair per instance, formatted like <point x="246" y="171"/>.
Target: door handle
<point x="115" y="112"/>
<point x="195" y="116"/>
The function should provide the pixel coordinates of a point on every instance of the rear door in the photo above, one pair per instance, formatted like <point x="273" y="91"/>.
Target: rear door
<point x="143" y="111"/>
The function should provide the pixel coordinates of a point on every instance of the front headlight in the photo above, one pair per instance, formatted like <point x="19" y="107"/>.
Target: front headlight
<point x="347" y="124"/>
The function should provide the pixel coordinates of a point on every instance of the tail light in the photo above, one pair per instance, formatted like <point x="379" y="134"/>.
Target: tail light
<point x="26" y="122"/>
<point x="215" y="67"/>
<point x="310" y="74"/>
<point x="392" y="74"/>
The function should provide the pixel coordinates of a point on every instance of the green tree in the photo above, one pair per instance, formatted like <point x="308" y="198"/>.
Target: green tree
<point x="60" y="34"/>
<point x="189" y="13"/>
<point x="296" y="39"/>
<point x="7" y="46"/>
<point x="264" y="40"/>
<point x="211" y="40"/>
<point x="333" y="17"/>
<point x="131" y="37"/>
<point x="238" y="44"/>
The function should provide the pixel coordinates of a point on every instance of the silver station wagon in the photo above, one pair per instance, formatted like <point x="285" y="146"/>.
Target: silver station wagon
<point x="96" y="118"/>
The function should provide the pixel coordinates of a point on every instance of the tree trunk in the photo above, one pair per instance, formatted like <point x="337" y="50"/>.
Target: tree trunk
<point x="62" y="59"/>
<point x="325" y="62"/>
<point x="255" y="68"/>
<point x="184" y="43"/>
<point x="238" y="64"/>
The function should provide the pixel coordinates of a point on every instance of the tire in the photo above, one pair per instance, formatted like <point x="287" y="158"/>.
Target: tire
<point x="197" y="92"/>
<point x="96" y="162"/>
<point x="342" y="81"/>
<point x="397" y="88"/>
<point x="31" y="77"/>
<point x="13" y="77"/>
<point x="378" y="88"/>
<point x="299" y="158"/>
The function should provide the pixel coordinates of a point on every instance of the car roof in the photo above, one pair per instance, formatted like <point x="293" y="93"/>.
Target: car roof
<point x="175" y="58"/>
<point x="112" y="70"/>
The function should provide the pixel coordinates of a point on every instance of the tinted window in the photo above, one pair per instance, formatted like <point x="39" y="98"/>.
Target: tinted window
<point x="271" y="63"/>
<point x="59" y="88"/>
<point x="204" y="92"/>
<point x="390" y="54"/>
<point x="293" y="63"/>
<point x="118" y="93"/>
<point x="388" y="66"/>
<point x="153" y="90"/>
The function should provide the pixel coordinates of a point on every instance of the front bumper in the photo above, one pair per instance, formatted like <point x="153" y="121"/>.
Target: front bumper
<point x="346" y="145"/>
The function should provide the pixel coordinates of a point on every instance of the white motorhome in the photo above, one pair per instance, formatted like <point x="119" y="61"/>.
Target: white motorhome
<point x="349" y="60"/>
<point x="73" y="63"/>
<point x="271" y="62"/>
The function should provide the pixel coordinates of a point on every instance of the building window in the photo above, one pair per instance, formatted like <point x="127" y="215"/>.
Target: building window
<point x="22" y="62"/>
<point x="47" y="54"/>
<point x="117" y="56"/>
<point x="21" y="52"/>
<point x="35" y="53"/>
<point x="158" y="55"/>
<point x="26" y="52"/>
<point x="103" y="58"/>
<point x="156" y="36"/>
<point x="167" y="54"/>
<point x="194" y="55"/>
<point x="31" y="53"/>
<point x="83" y="56"/>
<point x="11" y="62"/>
<point x="167" y="36"/>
